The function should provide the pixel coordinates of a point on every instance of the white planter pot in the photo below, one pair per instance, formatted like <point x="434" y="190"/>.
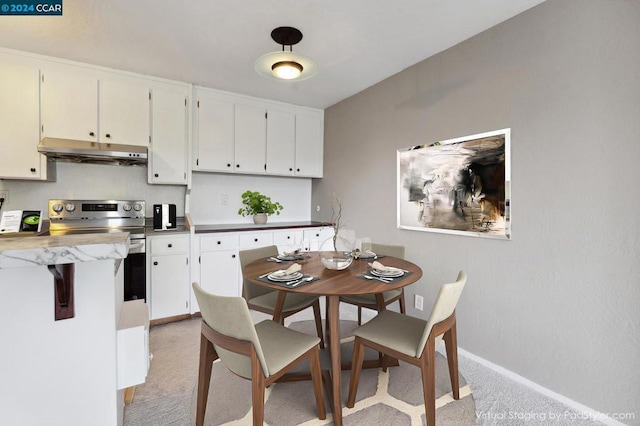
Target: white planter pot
<point x="260" y="218"/>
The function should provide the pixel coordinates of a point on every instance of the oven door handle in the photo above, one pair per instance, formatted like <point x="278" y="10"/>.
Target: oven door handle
<point x="137" y="247"/>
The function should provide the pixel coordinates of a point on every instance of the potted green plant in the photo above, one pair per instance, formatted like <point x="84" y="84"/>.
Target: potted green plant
<point x="259" y="206"/>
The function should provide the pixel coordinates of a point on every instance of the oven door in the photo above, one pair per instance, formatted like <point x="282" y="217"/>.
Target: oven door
<point x="135" y="275"/>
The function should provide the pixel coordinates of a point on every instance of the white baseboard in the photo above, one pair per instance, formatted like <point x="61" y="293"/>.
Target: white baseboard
<point x="588" y="412"/>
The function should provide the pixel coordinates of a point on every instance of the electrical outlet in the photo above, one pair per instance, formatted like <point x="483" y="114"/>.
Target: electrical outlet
<point x="318" y="208"/>
<point x="4" y="194"/>
<point x="224" y="199"/>
<point x="418" y="302"/>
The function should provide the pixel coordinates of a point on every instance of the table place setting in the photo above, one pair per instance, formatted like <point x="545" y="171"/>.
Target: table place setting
<point x="385" y="274"/>
<point x="363" y="254"/>
<point x="290" y="277"/>
<point x="289" y="257"/>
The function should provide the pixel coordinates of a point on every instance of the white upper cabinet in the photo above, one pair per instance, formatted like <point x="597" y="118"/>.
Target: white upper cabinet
<point x="124" y="112"/>
<point x="214" y="133"/>
<point x="168" y="162"/>
<point x="281" y="142"/>
<point x="20" y="122"/>
<point x="69" y="104"/>
<point x="85" y="105"/>
<point x="239" y="134"/>
<point x="250" y="138"/>
<point x="309" y="145"/>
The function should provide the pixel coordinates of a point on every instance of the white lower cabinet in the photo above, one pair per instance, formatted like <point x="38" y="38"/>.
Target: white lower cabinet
<point x="318" y="239"/>
<point x="219" y="266"/>
<point x="169" y="275"/>
<point x="219" y="262"/>
<point x="288" y="240"/>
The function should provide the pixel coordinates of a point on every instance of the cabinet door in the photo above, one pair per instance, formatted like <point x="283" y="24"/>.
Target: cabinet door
<point x="214" y="135"/>
<point x="124" y="113"/>
<point x="281" y="142"/>
<point x="69" y="105"/>
<point x="220" y="272"/>
<point x="250" y="139"/>
<point x="309" y="146"/>
<point x="19" y="121"/>
<point x="169" y="286"/>
<point x="168" y="154"/>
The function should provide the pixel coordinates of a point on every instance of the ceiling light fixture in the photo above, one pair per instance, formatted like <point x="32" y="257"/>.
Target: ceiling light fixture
<point x="286" y="65"/>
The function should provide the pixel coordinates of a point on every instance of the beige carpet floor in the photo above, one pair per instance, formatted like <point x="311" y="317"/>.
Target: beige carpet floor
<point x="168" y="396"/>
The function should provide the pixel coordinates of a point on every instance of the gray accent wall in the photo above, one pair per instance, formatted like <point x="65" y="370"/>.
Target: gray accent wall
<point x="558" y="304"/>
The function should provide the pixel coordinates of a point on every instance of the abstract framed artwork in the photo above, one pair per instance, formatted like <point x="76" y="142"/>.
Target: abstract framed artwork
<point x="458" y="186"/>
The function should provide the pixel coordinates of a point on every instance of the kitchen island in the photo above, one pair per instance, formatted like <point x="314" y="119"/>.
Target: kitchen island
<point x="62" y="370"/>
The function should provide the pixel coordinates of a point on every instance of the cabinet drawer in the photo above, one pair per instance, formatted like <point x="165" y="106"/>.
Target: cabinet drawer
<point x="219" y="242"/>
<point x="169" y="245"/>
<point x="318" y="239"/>
<point x="287" y="238"/>
<point x="250" y="240"/>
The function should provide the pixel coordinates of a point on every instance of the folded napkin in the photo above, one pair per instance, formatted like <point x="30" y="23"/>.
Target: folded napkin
<point x="290" y="270"/>
<point x="380" y="267"/>
<point x="357" y="253"/>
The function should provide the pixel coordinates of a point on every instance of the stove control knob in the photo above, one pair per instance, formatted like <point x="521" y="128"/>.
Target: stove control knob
<point x="70" y="207"/>
<point x="137" y="207"/>
<point x="57" y="207"/>
<point x="126" y="207"/>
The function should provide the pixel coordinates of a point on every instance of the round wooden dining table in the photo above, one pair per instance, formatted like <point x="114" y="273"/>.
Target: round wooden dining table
<point x="332" y="284"/>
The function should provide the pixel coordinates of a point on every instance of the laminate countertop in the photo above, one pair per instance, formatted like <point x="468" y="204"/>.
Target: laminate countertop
<point x="239" y="227"/>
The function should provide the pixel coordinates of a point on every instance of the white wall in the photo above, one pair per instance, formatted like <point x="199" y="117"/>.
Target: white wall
<point x="92" y="182"/>
<point x="558" y="304"/>
<point x="205" y="207"/>
<point x="96" y="181"/>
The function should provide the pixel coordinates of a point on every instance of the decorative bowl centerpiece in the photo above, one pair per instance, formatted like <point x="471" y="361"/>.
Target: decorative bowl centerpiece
<point x="336" y="262"/>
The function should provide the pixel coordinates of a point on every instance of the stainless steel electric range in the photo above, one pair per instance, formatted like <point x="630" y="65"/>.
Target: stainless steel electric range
<point x="99" y="216"/>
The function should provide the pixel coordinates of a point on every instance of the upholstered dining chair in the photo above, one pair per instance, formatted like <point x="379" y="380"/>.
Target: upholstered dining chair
<point x="414" y="341"/>
<point x="262" y="353"/>
<point x="369" y="300"/>
<point x="264" y="300"/>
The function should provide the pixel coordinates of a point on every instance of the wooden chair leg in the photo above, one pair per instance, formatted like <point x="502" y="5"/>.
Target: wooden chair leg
<point x="384" y="360"/>
<point x="427" y="367"/>
<point x="403" y="309"/>
<point x="316" y="377"/>
<point x="451" y="345"/>
<point x="207" y="356"/>
<point x="318" y="318"/>
<point x="359" y="315"/>
<point x="356" y="368"/>
<point x="258" y="386"/>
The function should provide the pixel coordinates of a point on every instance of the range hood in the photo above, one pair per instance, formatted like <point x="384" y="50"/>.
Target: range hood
<point x="77" y="151"/>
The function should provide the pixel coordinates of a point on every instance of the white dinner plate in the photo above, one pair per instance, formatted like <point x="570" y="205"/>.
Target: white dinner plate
<point x="387" y="274"/>
<point x="281" y="278"/>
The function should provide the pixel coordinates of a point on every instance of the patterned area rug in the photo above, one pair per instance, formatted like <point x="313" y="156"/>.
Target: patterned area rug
<point x="394" y="397"/>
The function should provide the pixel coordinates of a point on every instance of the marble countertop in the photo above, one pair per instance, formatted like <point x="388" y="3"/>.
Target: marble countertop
<point x="19" y="252"/>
